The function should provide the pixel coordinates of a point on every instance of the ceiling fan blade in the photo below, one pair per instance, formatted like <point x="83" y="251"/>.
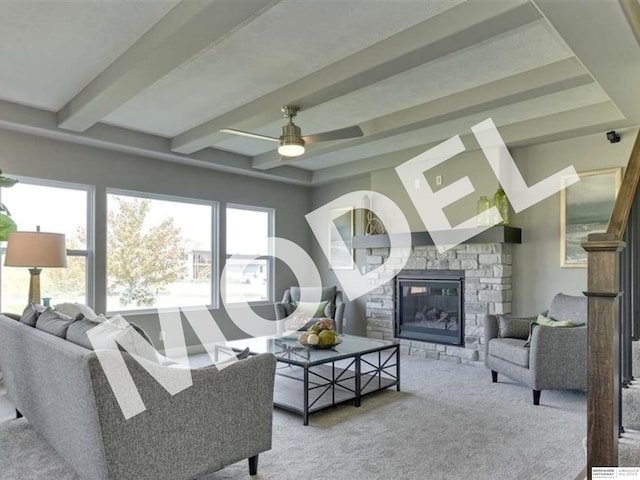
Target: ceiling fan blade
<point x="341" y="133"/>
<point x="233" y="131"/>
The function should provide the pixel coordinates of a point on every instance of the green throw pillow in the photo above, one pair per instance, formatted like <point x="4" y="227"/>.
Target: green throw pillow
<point x="542" y="320"/>
<point x="312" y="309"/>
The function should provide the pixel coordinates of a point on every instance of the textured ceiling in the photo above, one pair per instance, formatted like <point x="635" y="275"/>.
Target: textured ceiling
<point x="161" y="78"/>
<point x="49" y="50"/>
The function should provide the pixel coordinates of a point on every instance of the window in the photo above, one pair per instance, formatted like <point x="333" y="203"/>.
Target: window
<point x="60" y="208"/>
<point x="248" y="233"/>
<point x="159" y="252"/>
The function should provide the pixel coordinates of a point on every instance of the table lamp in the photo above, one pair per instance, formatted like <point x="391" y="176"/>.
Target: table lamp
<point x="36" y="250"/>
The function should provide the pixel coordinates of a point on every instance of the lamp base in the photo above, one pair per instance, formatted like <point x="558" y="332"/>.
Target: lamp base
<point x="34" y="285"/>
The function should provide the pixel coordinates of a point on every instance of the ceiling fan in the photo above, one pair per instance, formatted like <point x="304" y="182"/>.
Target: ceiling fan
<point x="291" y="143"/>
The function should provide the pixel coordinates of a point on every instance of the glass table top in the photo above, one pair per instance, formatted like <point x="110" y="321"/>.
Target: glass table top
<point x="289" y="350"/>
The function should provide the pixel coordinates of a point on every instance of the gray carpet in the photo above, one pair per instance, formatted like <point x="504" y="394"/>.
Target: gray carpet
<point x="449" y="422"/>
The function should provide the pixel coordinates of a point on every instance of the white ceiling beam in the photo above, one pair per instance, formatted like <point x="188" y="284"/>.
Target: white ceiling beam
<point x="33" y="121"/>
<point x="460" y="27"/>
<point x="606" y="45"/>
<point x="552" y="78"/>
<point x="572" y="123"/>
<point x="190" y="27"/>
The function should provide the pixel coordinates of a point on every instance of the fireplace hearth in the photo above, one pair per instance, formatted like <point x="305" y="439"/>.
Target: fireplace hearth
<point x="430" y="306"/>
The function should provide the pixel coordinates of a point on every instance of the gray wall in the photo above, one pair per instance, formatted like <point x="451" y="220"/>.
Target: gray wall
<point x="537" y="275"/>
<point x="355" y="320"/>
<point x="44" y="158"/>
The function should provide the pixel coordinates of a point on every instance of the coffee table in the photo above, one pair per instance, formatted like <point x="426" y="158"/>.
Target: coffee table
<point x="310" y="379"/>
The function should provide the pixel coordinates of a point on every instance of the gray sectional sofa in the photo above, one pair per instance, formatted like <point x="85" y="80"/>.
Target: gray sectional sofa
<point x="61" y="389"/>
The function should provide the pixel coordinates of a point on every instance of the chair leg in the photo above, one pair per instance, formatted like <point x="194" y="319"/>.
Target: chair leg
<point x="494" y="376"/>
<point x="536" y="397"/>
<point x="253" y="465"/>
<point x="18" y="414"/>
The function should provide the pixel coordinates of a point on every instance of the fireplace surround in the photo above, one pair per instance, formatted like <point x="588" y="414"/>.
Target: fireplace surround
<point x="429" y="306"/>
<point x="487" y="289"/>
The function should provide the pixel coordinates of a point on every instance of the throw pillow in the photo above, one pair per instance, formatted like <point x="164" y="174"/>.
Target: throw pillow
<point x="510" y="327"/>
<point x="73" y="309"/>
<point x="312" y="309"/>
<point x="31" y="313"/>
<point x="77" y="332"/>
<point x="117" y="329"/>
<point x="55" y="323"/>
<point x="542" y="320"/>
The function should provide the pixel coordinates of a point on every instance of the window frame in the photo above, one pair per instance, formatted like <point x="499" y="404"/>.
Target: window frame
<point x="89" y="252"/>
<point x="270" y="257"/>
<point x="215" y="263"/>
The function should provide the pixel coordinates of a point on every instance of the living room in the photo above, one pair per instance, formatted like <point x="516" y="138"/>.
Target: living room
<point x="83" y="112"/>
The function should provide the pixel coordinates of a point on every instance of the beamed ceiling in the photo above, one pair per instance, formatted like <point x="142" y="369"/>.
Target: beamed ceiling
<point x="162" y="77"/>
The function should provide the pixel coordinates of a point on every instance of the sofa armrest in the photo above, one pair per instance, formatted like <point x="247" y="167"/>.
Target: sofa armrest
<point x="558" y="358"/>
<point x="281" y="310"/>
<point x="490" y="325"/>
<point x="224" y="417"/>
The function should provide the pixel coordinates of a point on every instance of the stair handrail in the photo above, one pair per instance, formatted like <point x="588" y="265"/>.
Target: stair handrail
<point x="603" y="291"/>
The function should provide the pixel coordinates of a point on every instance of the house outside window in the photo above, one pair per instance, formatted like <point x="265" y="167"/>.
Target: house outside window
<point x="248" y="235"/>
<point x="159" y="251"/>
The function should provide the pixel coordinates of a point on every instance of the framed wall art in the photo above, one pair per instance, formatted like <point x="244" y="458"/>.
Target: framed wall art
<point x="344" y="222"/>
<point x="585" y="207"/>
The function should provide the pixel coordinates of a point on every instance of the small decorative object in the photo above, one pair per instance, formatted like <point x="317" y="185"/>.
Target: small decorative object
<point x="46" y="301"/>
<point x="483" y="209"/>
<point x="7" y="225"/>
<point x="501" y="203"/>
<point x="321" y="334"/>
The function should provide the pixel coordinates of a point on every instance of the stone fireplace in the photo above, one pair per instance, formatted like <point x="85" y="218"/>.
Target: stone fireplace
<point x="484" y="270"/>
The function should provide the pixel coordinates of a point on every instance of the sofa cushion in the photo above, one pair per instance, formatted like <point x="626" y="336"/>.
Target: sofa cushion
<point x="73" y="309"/>
<point x="126" y="334"/>
<point x="509" y="327"/>
<point x="77" y="332"/>
<point x="511" y="350"/>
<point x="31" y="313"/>
<point x="567" y="307"/>
<point x="54" y="322"/>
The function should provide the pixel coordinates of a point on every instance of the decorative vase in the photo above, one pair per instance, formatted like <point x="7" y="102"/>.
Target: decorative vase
<point x="483" y="206"/>
<point x="501" y="202"/>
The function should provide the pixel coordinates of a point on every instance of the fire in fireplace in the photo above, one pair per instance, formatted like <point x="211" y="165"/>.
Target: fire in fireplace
<point x="430" y="306"/>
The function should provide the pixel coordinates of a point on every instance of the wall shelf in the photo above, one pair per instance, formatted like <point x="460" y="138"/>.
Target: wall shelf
<point x="500" y="234"/>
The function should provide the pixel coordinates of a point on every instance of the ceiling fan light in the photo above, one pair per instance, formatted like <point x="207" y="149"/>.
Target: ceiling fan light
<point x="290" y="149"/>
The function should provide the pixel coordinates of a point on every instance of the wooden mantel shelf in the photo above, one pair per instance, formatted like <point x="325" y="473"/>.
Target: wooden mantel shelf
<point x="493" y="235"/>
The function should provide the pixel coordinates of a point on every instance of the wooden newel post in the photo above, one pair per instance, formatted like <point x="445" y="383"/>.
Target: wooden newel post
<point x="603" y="252"/>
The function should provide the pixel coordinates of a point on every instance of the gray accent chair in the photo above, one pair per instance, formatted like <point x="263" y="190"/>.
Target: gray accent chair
<point x="61" y="389"/>
<point x="556" y="358"/>
<point x="333" y="310"/>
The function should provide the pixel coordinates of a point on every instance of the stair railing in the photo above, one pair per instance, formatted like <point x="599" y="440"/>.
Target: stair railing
<point x="603" y="292"/>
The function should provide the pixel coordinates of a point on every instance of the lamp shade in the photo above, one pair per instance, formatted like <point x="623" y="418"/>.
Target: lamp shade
<point x="36" y="249"/>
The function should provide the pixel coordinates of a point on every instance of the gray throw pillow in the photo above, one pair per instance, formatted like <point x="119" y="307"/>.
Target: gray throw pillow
<point x="31" y="313"/>
<point x="55" y="323"/>
<point x="509" y="327"/>
<point x="77" y="332"/>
